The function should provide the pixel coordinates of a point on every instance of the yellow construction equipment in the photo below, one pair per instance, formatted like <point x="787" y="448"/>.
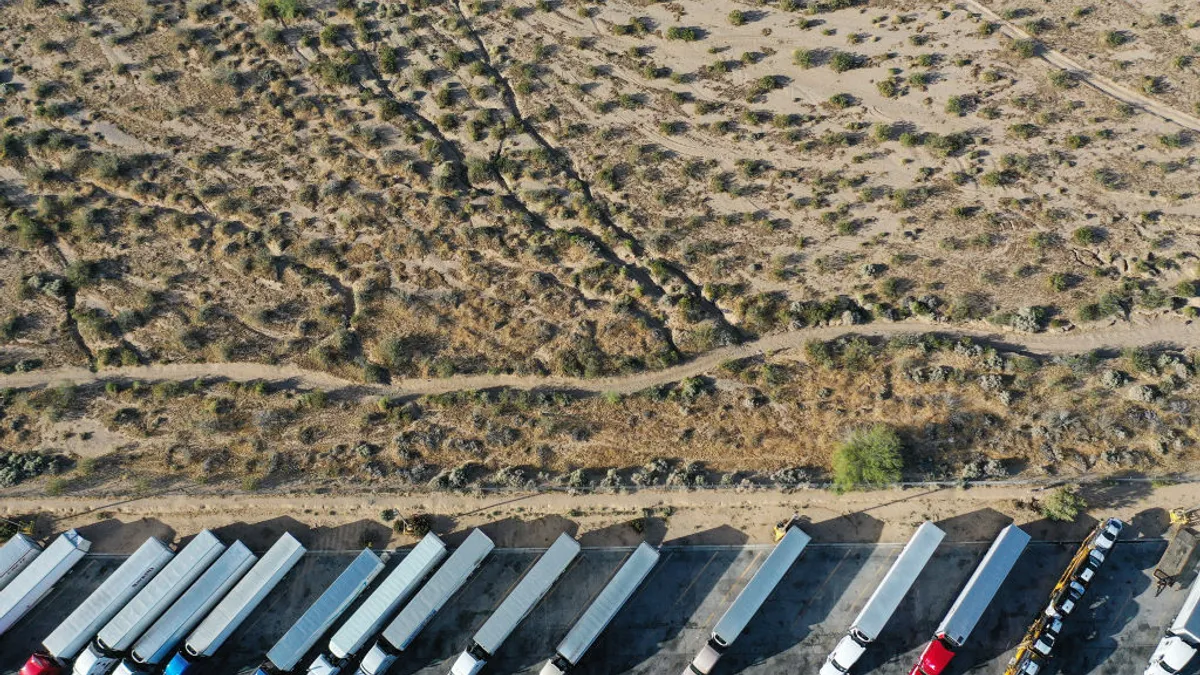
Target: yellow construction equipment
<point x="1181" y="550"/>
<point x="782" y="526"/>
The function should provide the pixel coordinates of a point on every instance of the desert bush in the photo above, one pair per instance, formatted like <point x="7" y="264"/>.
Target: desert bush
<point x="868" y="458"/>
<point x="1064" y="505"/>
<point x="1088" y="235"/>
<point x="737" y="17"/>
<point x="1026" y="48"/>
<point x="684" y="33"/>
<point x="805" y="58"/>
<point x="841" y="61"/>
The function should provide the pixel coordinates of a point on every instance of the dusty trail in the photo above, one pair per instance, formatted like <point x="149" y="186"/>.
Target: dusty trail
<point x="1098" y="82"/>
<point x="1161" y="330"/>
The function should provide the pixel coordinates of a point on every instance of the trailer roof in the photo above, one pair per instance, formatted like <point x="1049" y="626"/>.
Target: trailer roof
<point x="746" y="605"/>
<point x="528" y="591"/>
<point x="317" y="619"/>
<point x="441" y="586"/>
<point x="983" y="585"/>
<point x="81" y="625"/>
<point x="15" y="555"/>
<point x="608" y="602"/>
<point x="119" y="633"/>
<point x="34" y="581"/>
<point x="1187" y="622"/>
<point x="391" y="593"/>
<point x="883" y="602"/>
<point x="162" y="637"/>
<point x="245" y="596"/>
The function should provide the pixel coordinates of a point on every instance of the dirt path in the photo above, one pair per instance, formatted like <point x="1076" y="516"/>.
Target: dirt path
<point x="676" y="518"/>
<point x="1162" y="330"/>
<point x="1098" y="82"/>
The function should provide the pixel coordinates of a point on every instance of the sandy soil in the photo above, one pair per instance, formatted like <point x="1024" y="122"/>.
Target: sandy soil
<point x="329" y="522"/>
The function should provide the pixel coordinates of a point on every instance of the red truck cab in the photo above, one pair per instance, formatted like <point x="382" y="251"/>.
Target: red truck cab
<point x="41" y="664"/>
<point x="934" y="659"/>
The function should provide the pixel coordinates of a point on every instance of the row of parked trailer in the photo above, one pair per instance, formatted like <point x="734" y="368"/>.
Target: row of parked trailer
<point x="168" y="611"/>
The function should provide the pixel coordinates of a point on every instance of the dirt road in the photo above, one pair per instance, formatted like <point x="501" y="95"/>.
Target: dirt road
<point x="703" y="517"/>
<point x="1162" y="330"/>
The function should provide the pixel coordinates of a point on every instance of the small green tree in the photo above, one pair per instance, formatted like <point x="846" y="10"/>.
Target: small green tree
<point x="1064" y="504"/>
<point x="868" y="458"/>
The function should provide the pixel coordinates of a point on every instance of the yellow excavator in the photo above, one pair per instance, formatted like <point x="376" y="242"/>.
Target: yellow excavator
<point x="1181" y="549"/>
<point x="782" y="526"/>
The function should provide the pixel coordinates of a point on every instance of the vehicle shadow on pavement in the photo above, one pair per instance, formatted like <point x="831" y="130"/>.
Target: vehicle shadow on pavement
<point x="806" y="596"/>
<point x="649" y="635"/>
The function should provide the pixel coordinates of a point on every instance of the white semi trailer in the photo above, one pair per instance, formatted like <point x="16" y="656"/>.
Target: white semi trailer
<point x="884" y="601"/>
<point x="317" y="619"/>
<point x="379" y="606"/>
<point x="748" y="602"/>
<point x="118" y="635"/>
<point x="1179" y="646"/>
<point x="517" y="605"/>
<point x="36" y="580"/>
<point x="164" y="635"/>
<point x="449" y="578"/>
<point x="603" y="609"/>
<point x="15" y="556"/>
<point x="236" y="606"/>
<point x="81" y="625"/>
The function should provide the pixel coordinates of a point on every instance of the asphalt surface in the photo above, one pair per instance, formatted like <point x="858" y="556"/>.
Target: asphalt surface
<point x="670" y="617"/>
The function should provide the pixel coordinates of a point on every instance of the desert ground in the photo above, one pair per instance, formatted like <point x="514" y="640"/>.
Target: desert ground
<point x="446" y="246"/>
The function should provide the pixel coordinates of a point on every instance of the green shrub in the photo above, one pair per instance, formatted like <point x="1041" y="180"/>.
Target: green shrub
<point x="684" y="33"/>
<point x="1026" y="48"/>
<point x="1087" y="235"/>
<point x="868" y="458"/>
<point x="841" y="101"/>
<point x="805" y="58"/>
<point x="737" y="17"/>
<point x="1064" y="505"/>
<point x="840" y="62"/>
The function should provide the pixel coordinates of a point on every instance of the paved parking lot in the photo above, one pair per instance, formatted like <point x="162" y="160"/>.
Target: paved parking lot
<point x="671" y="616"/>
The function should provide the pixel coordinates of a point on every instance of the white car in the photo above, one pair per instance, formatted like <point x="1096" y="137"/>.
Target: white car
<point x="1108" y="534"/>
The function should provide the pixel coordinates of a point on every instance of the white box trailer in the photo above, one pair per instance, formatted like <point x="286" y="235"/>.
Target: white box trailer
<point x="532" y="587"/>
<point x="748" y="602"/>
<point x="425" y="604"/>
<point x="103" y="604"/>
<point x="236" y="606"/>
<point x="380" y="605"/>
<point x="1179" y="646"/>
<point x="317" y="619"/>
<point x="36" y="580"/>
<point x="165" y="634"/>
<point x="603" y="609"/>
<point x="884" y="601"/>
<point x="118" y="635"/>
<point x="15" y="556"/>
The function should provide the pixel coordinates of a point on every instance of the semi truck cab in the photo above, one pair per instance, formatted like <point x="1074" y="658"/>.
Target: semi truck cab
<point x="935" y="659"/>
<point x="470" y="662"/>
<point x="848" y="651"/>
<point x="377" y="660"/>
<point x="1171" y="656"/>
<point x="40" y="664"/>
<point x="707" y="658"/>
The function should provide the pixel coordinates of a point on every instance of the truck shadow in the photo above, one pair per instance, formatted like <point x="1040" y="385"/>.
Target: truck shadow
<point x="652" y="633"/>
<point x="807" y="595"/>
